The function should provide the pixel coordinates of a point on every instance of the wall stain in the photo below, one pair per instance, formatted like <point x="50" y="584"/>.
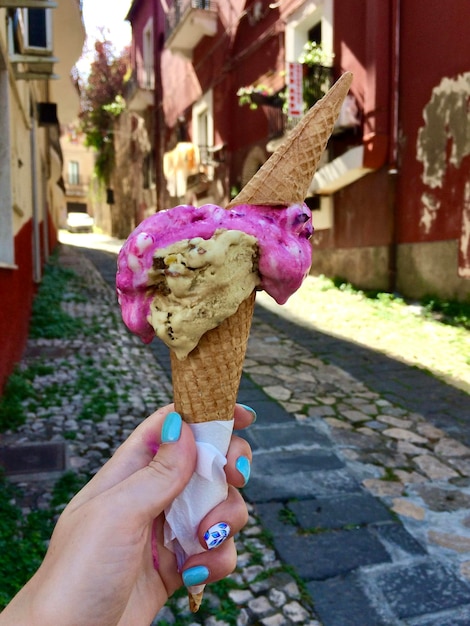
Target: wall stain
<point x="444" y="140"/>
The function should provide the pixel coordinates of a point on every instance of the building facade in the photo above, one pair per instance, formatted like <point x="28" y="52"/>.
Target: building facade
<point x="39" y="44"/>
<point x="391" y="198"/>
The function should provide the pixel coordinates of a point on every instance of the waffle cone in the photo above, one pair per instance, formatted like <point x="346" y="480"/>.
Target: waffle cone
<point x="195" y="601"/>
<point x="286" y="176"/>
<point x="205" y="384"/>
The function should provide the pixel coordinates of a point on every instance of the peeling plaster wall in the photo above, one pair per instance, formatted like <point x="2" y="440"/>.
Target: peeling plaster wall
<point x="433" y="194"/>
<point x="443" y="141"/>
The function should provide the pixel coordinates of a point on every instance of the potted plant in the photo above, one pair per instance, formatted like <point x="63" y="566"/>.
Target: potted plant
<point x="258" y="95"/>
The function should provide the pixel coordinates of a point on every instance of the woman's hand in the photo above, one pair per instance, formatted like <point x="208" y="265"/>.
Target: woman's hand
<point x="106" y="564"/>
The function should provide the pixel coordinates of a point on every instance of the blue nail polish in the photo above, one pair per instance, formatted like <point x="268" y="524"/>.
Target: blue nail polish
<point x="244" y="467"/>
<point x="252" y="411"/>
<point x="171" y="429"/>
<point x="195" y="575"/>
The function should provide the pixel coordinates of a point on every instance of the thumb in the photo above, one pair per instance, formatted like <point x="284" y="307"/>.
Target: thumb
<point x="151" y="489"/>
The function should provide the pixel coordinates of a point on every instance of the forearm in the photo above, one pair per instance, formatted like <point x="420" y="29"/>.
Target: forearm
<point x="19" y="611"/>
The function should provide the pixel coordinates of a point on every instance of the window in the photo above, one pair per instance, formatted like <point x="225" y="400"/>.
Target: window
<point x="148" y="55"/>
<point x="148" y="170"/>
<point x="312" y="22"/>
<point x="74" y="173"/>
<point x="36" y="27"/>
<point x="203" y="130"/>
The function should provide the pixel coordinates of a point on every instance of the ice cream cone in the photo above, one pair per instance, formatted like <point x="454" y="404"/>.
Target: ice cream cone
<point x="205" y="384"/>
<point x="286" y="176"/>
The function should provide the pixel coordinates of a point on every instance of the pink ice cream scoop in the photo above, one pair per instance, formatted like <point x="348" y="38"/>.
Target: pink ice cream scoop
<point x="282" y="236"/>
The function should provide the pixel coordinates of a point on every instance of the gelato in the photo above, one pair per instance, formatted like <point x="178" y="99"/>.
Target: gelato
<point x="185" y="270"/>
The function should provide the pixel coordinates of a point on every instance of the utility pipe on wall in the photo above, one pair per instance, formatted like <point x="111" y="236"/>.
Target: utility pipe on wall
<point x="35" y="205"/>
<point x="393" y="143"/>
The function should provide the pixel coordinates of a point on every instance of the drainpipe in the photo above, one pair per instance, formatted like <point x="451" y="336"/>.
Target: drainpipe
<point x="160" y="181"/>
<point x="35" y="206"/>
<point x="393" y="145"/>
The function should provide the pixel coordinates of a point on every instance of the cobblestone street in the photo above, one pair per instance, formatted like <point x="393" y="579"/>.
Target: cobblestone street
<point x="359" y="496"/>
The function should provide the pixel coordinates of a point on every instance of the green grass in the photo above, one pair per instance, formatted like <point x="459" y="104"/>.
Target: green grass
<point x="452" y="312"/>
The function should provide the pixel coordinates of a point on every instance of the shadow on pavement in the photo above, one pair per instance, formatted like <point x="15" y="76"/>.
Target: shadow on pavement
<point x="410" y="387"/>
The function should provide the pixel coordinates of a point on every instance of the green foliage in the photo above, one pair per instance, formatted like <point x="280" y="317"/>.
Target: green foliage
<point x="17" y="392"/>
<point x="228" y="610"/>
<point x="288" y="517"/>
<point x="66" y="487"/>
<point x="316" y="81"/>
<point x="313" y="54"/>
<point x="247" y="95"/>
<point x="389" y="475"/>
<point x="48" y="319"/>
<point x="12" y="413"/>
<point x="448" y="311"/>
<point x="22" y="542"/>
<point x="23" y="538"/>
<point x="102" y="102"/>
<point x="317" y="74"/>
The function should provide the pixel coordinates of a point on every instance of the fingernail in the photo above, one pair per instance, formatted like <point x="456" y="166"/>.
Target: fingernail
<point x="216" y="535"/>
<point x="243" y="466"/>
<point x="195" y="575"/>
<point x="252" y="411"/>
<point x="171" y="429"/>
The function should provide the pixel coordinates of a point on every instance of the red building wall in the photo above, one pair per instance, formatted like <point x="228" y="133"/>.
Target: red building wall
<point x="407" y="221"/>
<point x="435" y="45"/>
<point x="18" y="290"/>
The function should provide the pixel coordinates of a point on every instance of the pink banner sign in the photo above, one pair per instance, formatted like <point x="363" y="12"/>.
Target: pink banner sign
<point x="296" y="101"/>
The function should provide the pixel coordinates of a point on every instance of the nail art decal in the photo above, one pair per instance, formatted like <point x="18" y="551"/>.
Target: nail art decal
<point x="216" y="535"/>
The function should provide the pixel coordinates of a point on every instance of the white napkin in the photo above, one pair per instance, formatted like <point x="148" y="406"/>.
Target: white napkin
<point x="206" y="489"/>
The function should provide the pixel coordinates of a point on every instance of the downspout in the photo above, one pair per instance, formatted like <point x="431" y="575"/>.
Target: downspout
<point x="158" y="111"/>
<point x="393" y="145"/>
<point x="45" y="177"/>
<point x="35" y="206"/>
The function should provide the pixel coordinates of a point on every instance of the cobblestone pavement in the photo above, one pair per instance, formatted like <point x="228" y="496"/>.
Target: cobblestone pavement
<point x="360" y="488"/>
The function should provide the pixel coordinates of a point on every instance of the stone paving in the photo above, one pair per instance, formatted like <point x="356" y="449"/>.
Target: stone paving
<point x="360" y="488"/>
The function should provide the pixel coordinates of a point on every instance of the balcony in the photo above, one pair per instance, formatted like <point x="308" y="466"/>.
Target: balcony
<point x="76" y="186"/>
<point x="139" y="90"/>
<point x="187" y="22"/>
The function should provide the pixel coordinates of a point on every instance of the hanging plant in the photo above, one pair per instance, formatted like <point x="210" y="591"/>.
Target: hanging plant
<point x="258" y="95"/>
